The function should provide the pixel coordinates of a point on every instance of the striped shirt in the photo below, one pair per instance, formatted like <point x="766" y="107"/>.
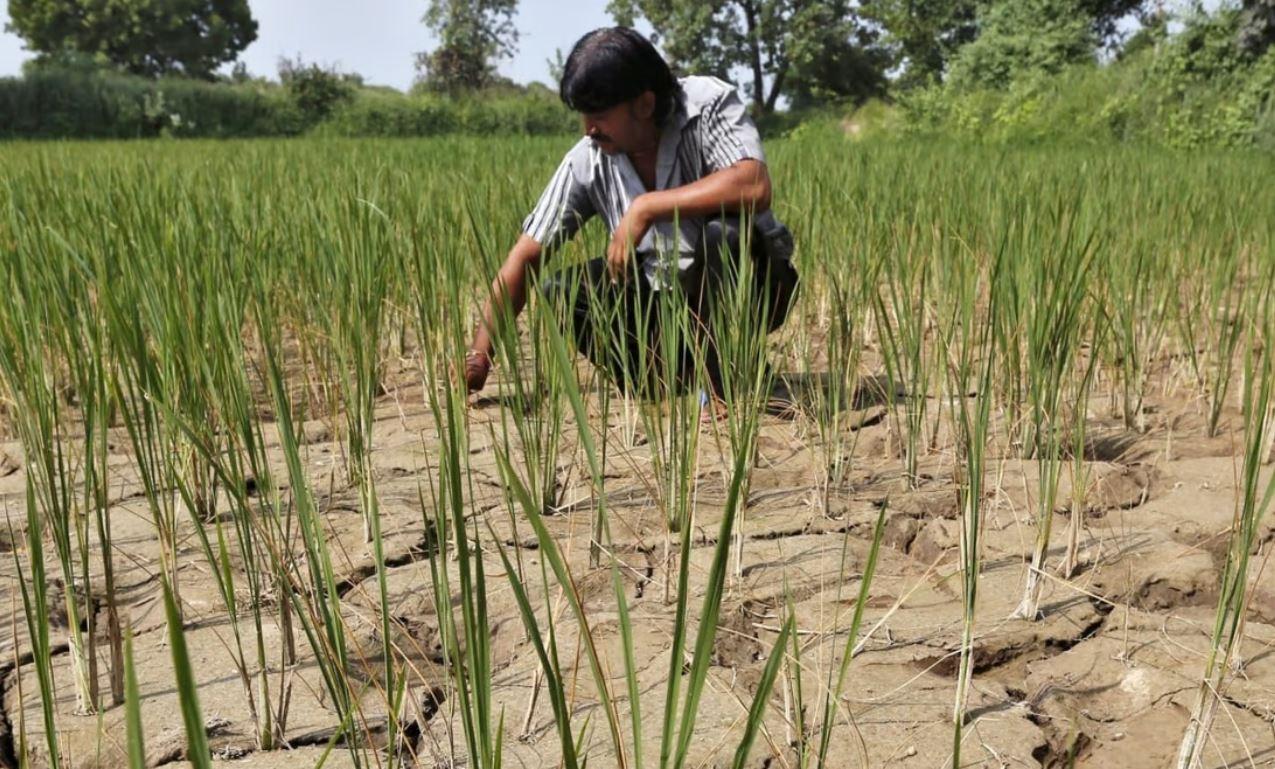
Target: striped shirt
<point x="708" y="132"/>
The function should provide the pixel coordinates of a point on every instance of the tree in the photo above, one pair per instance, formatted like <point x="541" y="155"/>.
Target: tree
<point x="783" y="44"/>
<point x="843" y="71"/>
<point x="316" y="90"/>
<point x="557" y="65"/>
<point x="145" y="37"/>
<point x="924" y="36"/>
<point x="1105" y="15"/>
<point x="1257" y="26"/>
<point x="473" y="35"/>
<point x="1019" y="36"/>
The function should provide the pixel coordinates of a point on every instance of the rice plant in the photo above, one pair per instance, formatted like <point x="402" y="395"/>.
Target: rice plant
<point x="1252" y="505"/>
<point x="349" y="305"/>
<point x="137" y="378"/>
<point x="312" y="589"/>
<point x="970" y="354"/>
<point x="738" y="322"/>
<point x="1079" y="417"/>
<point x="257" y="531"/>
<point x="35" y="610"/>
<point x="134" y="735"/>
<point x="52" y="505"/>
<point x="672" y="409"/>
<point x="1137" y="305"/>
<point x="197" y="751"/>
<point x="902" y="316"/>
<point x="834" y="392"/>
<point x="465" y="639"/>
<point x="832" y="697"/>
<point x="1054" y="290"/>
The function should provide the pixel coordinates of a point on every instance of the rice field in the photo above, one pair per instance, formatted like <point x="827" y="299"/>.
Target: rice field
<point x="1021" y="518"/>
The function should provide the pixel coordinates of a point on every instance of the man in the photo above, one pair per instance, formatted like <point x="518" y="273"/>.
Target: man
<point x="673" y="167"/>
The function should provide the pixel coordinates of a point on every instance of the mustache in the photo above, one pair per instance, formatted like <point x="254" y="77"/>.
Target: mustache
<point x="601" y="137"/>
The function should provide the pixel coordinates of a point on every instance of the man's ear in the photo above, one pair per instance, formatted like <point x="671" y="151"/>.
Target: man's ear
<point x="644" y="105"/>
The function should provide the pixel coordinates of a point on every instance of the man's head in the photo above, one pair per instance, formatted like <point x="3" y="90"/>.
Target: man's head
<point x="621" y="87"/>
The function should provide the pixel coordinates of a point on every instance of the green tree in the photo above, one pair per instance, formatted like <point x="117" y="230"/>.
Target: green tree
<point x="316" y="90"/>
<point x="1105" y="15"/>
<point x="145" y="37"/>
<point x="473" y="35"/>
<point x="556" y="66"/>
<point x="785" y="45"/>
<point x="1021" y="36"/>
<point x="924" y="36"/>
<point x="850" y="70"/>
<point x="1257" y="26"/>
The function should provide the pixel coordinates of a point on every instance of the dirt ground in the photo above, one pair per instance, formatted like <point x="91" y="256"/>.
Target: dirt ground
<point x="1105" y="678"/>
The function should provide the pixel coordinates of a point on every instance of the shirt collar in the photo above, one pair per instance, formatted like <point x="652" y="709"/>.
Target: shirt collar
<point x="671" y="141"/>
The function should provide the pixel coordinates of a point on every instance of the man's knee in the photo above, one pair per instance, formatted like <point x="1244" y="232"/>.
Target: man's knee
<point x="573" y="286"/>
<point x="721" y="237"/>
<point x="553" y="288"/>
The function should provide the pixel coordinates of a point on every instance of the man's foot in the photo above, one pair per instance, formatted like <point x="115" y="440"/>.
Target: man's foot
<point x="782" y="406"/>
<point x="781" y="402"/>
<point x="712" y="409"/>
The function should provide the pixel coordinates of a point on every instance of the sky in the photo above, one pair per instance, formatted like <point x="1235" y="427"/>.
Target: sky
<point x="378" y="39"/>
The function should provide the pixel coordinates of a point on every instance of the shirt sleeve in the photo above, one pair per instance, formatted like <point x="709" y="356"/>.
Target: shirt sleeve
<point x="562" y="210"/>
<point x="728" y="134"/>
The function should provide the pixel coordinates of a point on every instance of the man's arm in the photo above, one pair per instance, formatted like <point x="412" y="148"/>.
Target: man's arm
<point x="561" y="210"/>
<point x="744" y="186"/>
<point x="507" y="298"/>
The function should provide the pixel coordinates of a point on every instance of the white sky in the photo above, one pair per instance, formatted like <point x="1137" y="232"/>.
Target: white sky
<point x="378" y="38"/>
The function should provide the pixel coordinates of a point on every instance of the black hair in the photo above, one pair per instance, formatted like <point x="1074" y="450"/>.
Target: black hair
<point x="612" y="65"/>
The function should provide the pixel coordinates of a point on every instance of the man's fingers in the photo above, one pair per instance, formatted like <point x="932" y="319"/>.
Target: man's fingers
<point x="615" y="263"/>
<point x="475" y="379"/>
<point x="477" y="367"/>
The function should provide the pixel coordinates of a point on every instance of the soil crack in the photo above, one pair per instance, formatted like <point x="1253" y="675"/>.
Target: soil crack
<point x="425" y="546"/>
<point x="1263" y="712"/>
<point x="8" y="756"/>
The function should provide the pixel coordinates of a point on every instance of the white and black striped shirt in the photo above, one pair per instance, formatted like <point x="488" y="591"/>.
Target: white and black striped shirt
<point x="710" y="131"/>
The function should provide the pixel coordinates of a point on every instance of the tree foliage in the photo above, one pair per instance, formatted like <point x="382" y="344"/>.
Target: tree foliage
<point x="316" y="90"/>
<point x="1105" y="15"/>
<point x="143" y="37"/>
<point x="1182" y="81"/>
<point x="1018" y="37"/>
<point x="1257" y="26"/>
<point x="473" y="35"/>
<point x="815" y="48"/>
<point x="924" y="36"/>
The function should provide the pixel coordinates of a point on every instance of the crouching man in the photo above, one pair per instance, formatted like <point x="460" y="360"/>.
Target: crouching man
<point x="675" y="169"/>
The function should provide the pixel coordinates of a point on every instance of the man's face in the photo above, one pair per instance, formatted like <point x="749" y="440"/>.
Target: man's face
<point x="621" y="128"/>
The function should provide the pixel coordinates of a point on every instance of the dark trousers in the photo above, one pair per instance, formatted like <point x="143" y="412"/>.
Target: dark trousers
<point x="624" y="327"/>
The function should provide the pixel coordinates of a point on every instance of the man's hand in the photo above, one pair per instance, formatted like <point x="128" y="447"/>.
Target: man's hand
<point x="477" y="366"/>
<point x="507" y="297"/>
<point x="628" y="233"/>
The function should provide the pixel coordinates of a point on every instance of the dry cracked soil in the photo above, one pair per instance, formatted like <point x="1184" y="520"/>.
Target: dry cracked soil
<point x="1104" y="678"/>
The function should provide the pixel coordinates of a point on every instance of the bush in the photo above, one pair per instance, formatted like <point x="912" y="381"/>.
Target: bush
<point x="1196" y="88"/>
<point x="64" y="103"/>
<point x="85" y="103"/>
<point x="315" y="90"/>
<point x="1023" y="38"/>
<point x="385" y="114"/>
